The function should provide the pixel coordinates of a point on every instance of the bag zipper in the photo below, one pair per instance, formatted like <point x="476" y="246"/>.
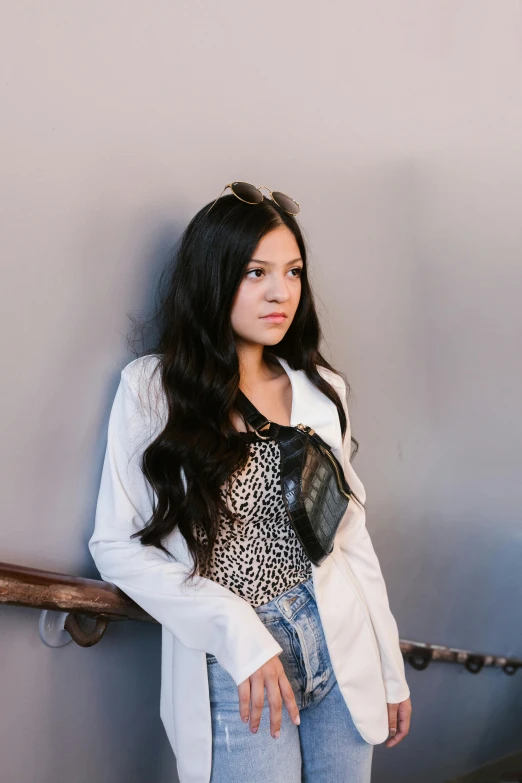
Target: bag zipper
<point x="310" y="431"/>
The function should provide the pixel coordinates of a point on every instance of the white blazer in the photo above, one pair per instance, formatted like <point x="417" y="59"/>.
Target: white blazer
<point x="360" y="630"/>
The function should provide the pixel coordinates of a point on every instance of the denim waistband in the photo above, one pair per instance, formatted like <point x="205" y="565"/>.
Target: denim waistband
<point x="288" y="603"/>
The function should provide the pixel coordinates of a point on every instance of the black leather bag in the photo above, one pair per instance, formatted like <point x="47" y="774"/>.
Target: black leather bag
<point x="315" y="491"/>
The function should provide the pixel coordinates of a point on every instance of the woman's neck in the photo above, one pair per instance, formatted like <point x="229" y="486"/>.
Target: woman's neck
<point x="257" y="367"/>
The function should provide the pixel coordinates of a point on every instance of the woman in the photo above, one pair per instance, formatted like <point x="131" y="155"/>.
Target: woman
<point x="258" y="643"/>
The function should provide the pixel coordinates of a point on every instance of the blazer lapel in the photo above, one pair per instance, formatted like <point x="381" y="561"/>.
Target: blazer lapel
<point x="310" y="406"/>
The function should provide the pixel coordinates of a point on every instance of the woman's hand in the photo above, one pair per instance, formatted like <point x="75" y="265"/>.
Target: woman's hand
<point x="272" y="677"/>
<point x="399" y="721"/>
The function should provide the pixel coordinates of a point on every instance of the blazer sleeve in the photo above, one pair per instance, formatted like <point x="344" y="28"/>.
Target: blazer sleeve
<point x="357" y="548"/>
<point x="205" y="615"/>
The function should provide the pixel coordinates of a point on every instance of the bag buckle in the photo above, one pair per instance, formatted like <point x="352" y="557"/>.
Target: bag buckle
<point x="263" y="427"/>
<point x="305" y="428"/>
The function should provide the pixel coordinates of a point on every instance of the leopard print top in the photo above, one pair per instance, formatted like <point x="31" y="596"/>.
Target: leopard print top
<point x="261" y="557"/>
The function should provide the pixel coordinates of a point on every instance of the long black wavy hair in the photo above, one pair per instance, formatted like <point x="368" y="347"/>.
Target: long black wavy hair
<point x="200" y="368"/>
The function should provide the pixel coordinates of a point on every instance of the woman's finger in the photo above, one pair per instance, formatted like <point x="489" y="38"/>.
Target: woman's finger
<point x="275" y="703"/>
<point x="244" y="700"/>
<point x="257" y="700"/>
<point x="401" y="723"/>
<point x="289" y="699"/>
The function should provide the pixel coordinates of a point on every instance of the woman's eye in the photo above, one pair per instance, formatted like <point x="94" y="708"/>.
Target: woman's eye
<point x="297" y="269"/>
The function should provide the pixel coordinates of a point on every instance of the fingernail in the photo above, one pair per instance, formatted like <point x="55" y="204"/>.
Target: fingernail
<point x="254" y="730"/>
<point x="297" y="720"/>
<point x="276" y="735"/>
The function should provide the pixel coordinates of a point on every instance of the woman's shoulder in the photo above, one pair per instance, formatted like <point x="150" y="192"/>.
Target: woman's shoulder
<point x="142" y="378"/>
<point x="332" y="377"/>
<point x="141" y="370"/>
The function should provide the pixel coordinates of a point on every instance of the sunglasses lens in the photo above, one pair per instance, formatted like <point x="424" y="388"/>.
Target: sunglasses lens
<point x="247" y="192"/>
<point x="285" y="202"/>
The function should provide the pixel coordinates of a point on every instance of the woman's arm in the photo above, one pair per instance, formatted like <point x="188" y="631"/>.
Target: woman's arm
<point x="356" y="545"/>
<point x="206" y="616"/>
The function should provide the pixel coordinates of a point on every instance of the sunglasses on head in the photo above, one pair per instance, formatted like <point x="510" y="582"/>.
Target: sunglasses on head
<point x="252" y="195"/>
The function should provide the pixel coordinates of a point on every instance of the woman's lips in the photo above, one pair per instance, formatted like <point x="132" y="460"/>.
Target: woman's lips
<point x="276" y="319"/>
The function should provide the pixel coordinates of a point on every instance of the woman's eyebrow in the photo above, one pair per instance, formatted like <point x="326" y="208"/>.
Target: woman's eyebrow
<point x="271" y="263"/>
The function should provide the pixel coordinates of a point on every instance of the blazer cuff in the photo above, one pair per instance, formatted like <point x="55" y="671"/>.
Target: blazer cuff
<point x="396" y="694"/>
<point x="241" y="674"/>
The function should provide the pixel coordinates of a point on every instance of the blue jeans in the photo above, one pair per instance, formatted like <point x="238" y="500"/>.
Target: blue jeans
<point x="326" y="747"/>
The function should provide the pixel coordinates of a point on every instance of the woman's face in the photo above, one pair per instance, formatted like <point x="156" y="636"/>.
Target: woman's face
<point x="271" y="284"/>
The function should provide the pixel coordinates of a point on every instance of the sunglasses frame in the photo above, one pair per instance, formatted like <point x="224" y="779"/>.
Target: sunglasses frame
<point x="253" y="203"/>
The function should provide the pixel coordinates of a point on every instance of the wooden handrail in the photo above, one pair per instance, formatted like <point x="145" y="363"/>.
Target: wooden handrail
<point x="76" y="595"/>
<point x="21" y="586"/>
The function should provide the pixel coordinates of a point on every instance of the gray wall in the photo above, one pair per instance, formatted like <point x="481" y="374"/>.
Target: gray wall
<point x="397" y="126"/>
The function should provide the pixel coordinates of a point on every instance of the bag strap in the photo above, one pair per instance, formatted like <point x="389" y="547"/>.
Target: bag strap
<point x="257" y="420"/>
<point x="250" y="412"/>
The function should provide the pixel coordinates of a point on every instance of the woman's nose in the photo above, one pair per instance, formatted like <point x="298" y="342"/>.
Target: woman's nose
<point x="278" y="290"/>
